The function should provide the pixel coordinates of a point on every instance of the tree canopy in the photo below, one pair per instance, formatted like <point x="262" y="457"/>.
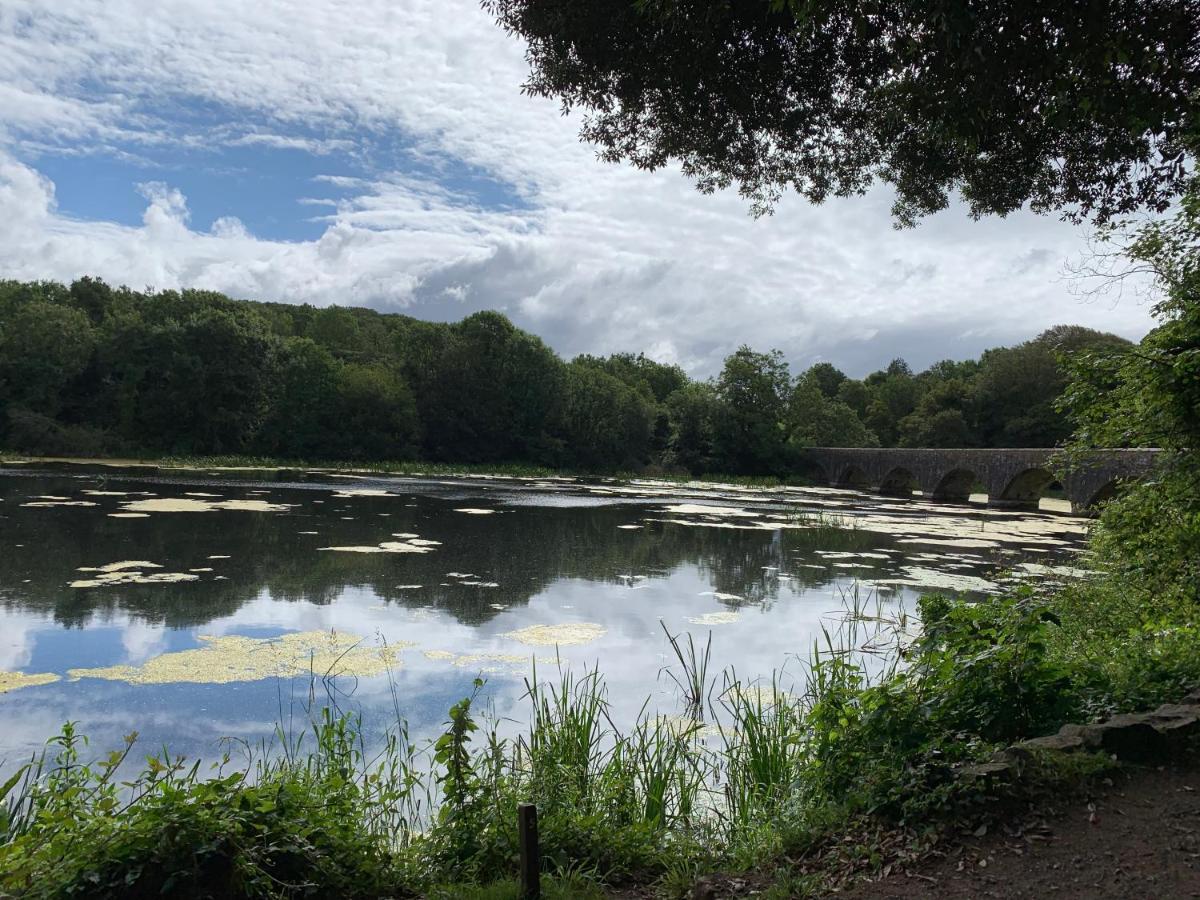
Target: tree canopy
<point x="87" y="369"/>
<point x="1081" y="106"/>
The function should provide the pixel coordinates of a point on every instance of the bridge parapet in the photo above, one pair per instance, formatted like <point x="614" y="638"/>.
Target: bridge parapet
<point x="1009" y="476"/>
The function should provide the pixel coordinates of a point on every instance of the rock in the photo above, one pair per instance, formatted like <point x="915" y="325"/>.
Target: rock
<point x="1062" y="743"/>
<point x="1129" y="737"/>
<point x="1178" y="710"/>
<point x="995" y="769"/>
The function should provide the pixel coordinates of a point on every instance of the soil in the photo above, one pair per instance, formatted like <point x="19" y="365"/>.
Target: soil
<point x="1136" y="837"/>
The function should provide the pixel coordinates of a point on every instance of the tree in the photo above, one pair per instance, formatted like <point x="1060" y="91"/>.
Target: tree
<point x="892" y="394"/>
<point x="376" y="417"/>
<point x="827" y="377"/>
<point x="753" y="389"/>
<point x="1079" y="106"/>
<point x="303" y="412"/>
<point x="190" y="375"/>
<point x="815" y="420"/>
<point x="944" y="414"/>
<point x="606" y="423"/>
<point x="492" y="393"/>
<point x="1149" y="396"/>
<point x="43" y="345"/>
<point x="693" y="411"/>
<point x="1018" y="387"/>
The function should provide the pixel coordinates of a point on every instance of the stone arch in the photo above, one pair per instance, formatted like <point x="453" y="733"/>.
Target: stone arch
<point x="1103" y="494"/>
<point x="814" y="471"/>
<point x="900" y="482"/>
<point x="855" y="477"/>
<point x="1027" y="485"/>
<point x="955" y="485"/>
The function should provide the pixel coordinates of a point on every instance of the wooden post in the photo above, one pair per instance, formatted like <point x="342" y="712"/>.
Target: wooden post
<point x="531" y="862"/>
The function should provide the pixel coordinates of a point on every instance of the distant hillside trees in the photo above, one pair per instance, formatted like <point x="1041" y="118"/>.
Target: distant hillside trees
<point x="88" y="369"/>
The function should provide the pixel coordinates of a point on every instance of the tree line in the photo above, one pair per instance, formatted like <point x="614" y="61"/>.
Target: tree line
<point x="90" y="369"/>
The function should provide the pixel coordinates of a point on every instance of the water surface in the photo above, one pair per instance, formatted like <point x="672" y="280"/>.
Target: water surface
<point x="403" y="590"/>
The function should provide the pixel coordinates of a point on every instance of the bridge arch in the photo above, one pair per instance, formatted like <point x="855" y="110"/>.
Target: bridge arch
<point x="852" y="476"/>
<point x="956" y="485"/>
<point x="1107" y="491"/>
<point x="900" y="482"/>
<point x="1027" y="486"/>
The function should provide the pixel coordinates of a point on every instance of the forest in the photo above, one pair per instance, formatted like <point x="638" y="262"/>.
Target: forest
<point x="88" y="369"/>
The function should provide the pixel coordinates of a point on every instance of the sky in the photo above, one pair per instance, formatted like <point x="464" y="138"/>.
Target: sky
<point x="381" y="153"/>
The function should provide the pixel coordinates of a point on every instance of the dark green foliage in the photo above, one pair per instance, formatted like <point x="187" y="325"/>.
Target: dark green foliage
<point x="606" y="423"/>
<point x="815" y="418"/>
<point x="295" y="830"/>
<point x="1149" y="395"/>
<point x="1077" y="106"/>
<point x="753" y="390"/>
<point x="89" y="370"/>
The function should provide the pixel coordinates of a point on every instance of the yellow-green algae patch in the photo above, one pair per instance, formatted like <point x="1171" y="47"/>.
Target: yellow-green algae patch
<point x="564" y="634"/>
<point x="192" y="504"/>
<point x="471" y="660"/>
<point x="384" y="547"/>
<point x="42" y="503"/>
<point x="14" y="681"/>
<point x="129" y="515"/>
<point x="108" y="579"/>
<point x="714" y="618"/>
<point x="121" y="566"/>
<point x="235" y="658"/>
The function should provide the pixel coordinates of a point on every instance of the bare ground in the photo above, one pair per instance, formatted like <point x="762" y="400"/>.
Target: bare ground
<point x="1136" y="837"/>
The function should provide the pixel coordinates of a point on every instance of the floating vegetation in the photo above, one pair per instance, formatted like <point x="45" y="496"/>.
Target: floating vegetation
<point x="130" y="572"/>
<point x="729" y="598"/>
<point x="715" y="618"/>
<point x="473" y="660"/>
<point x="129" y="515"/>
<point x="564" y="634"/>
<point x="234" y="658"/>
<point x="362" y="492"/>
<point x="194" y="504"/>
<point x="1053" y="571"/>
<point x="119" y="566"/>
<point x="109" y="579"/>
<point x="919" y="576"/>
<point x="59" y="502"/>
<point x="384" y="547"/>
<point x="14" y="681"/>
<point x="698" y="509"/>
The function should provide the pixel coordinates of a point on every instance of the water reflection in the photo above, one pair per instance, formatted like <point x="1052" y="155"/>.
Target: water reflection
<point x="614" y="558"/>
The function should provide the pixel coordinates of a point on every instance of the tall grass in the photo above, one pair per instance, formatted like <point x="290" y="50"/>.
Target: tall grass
<point x="866" y="723"/>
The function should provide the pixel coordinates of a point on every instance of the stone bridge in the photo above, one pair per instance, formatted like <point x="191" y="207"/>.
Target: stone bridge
<point x="1010" y="477"/>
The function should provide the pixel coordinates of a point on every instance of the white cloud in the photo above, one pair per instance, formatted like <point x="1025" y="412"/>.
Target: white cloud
<point x="595" y="258"/>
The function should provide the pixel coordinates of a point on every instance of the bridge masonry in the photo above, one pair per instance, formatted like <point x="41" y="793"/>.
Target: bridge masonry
<point x="1010" y="477"/>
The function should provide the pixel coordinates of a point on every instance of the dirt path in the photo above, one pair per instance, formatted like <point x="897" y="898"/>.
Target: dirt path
<point x="1139" y="838"/>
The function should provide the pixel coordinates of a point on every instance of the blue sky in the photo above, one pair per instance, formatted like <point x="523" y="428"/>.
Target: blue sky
<point x="284" y="150"/>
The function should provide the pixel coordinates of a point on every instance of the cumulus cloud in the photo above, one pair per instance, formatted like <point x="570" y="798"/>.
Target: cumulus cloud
<point x="594" y="258"/>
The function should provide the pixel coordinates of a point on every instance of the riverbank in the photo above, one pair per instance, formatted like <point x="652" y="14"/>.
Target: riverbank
<point x="869" y="745"/>
<point x="273" y="467"/>
<point x="656" y="808"/>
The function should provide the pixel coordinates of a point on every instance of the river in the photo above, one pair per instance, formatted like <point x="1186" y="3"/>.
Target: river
<point x="195" y="606"/>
